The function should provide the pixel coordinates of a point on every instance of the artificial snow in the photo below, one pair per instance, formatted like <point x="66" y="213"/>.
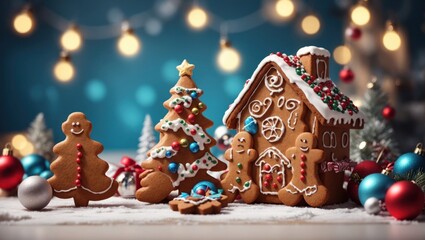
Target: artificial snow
<point x="121" y="211"/>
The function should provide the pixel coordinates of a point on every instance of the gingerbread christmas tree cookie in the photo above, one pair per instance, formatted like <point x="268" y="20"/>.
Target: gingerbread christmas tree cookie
<point x="78" y="172"/>
<point x="182" y="156"/>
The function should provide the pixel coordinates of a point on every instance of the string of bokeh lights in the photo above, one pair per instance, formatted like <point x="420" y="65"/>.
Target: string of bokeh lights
<point x="198" y="18"/>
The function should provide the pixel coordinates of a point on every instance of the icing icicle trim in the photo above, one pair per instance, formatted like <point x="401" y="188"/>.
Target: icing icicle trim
<point x="199" y="135"/>
<point x="185" y="100"/>
<point x="206" y="162"/>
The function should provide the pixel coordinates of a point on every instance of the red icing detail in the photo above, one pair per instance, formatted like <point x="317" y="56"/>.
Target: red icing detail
<point x="302" y="164"/>
<point x="302" y="178"/>
<point x="204" y="161"/>
<point x="79" y="154"/>
<point x="268" y="177"/>
<point x="78" y="183"/>
<point x="266" y="184"/>
<point x="303" y="157"/>
<point x="178" y="108"/>
<point x="79" y="169"/>
<point x="78" y="176"/>
<point x="78" y="160"/>
<point x="200" y="192"/>
<point x="79" y="146"/>
<point x="191" y="118"/>
<point x="275" y="185"/>
<point x="175" y="146"/>
<point x="303" y="171"/>
<point x="193" y="131"/>
<point x="267" y="167"/>
<point x="160" y="168"/>
<point x="194" y="167"/>
<point x="279" y="179"/>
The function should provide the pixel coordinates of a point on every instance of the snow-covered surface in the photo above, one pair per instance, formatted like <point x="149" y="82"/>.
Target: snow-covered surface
<point x="313" y="50"/>
<point x="118" y="210"/>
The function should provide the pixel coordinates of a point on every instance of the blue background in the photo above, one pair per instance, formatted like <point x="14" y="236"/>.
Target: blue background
<point x="116" y="92"/>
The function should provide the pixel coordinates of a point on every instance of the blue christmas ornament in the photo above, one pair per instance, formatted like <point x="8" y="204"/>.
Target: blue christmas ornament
<point x="251" y="125"/>
<point x="194" y="147"/>
<point x="34" y="164"/>
<point x="374" y="185"/>
<point x="46" y="174"/>
<point x="168" y="154"/>
<point x="410" y="162"/>
<point x="173" y="167"/>
<point x="202" y="187"/>
<point x="193" y="94"/>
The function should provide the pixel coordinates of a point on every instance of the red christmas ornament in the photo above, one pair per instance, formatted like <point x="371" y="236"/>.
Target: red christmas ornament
<point x="175" y="146"/>
<point x="404" y="200"/>
<point x="361" y="171"/>
<point x="191" y="118"/>
<point x="11" y="169"/>
<point x="388" y="112"/>
<point x="346" y="75"/>
<point x="178" y="108"/>
<point x="353" y="32"/>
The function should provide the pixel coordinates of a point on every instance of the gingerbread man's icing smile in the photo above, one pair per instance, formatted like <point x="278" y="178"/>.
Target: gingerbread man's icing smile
<point x="76" y="125"/>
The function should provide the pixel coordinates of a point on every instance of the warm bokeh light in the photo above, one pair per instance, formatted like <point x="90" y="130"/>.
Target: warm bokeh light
<point x="71" y="39"/>
<point x="129" y="44"/>
<point x="23" y="23"/>
<point x="310" y="24"/>
<point x="197" y="18"/>
<point x="342" y="55"/>
<point x="360" y="15"/>
<point x="284" y="8"/>
<point x="228" y="58"/>
<point x="362" y="145"/>
<point x="391" y="40"/>
<point x="64" y="70"/>
<point x="19" y="142"/>
<point x="28" y="149"/>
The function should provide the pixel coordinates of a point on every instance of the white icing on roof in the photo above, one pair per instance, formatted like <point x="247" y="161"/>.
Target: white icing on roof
<point x="313" y="50"/>
<point x="313" y="98"/>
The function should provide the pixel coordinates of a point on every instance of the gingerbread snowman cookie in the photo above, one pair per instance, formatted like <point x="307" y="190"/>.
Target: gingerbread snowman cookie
<point x="78" y="172"/>
<point x="305" y="182"/>
<point x="238" y="179"/>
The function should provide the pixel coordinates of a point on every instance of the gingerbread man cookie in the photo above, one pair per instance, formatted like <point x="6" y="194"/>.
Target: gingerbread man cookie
<point x="305" y="182"/>
<point x="78" y="172"/>
<point x="238" y="178"/>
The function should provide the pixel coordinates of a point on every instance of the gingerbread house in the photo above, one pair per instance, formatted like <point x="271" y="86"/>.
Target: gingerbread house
<point x="286" y="96"/>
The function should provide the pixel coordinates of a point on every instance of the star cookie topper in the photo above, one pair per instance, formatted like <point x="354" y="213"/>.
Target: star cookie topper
<point x="185" y="68"/>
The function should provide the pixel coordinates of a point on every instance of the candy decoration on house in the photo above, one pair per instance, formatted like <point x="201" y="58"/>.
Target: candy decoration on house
<point x="182" y="157"/>
<point x="147" y="139"/>
<point x="410" y="162"/>
<point x="285" y="97"/>
<point x="11" y="170"/>
<point x="377" y="134"/>
<point x="127" y="177"/>
<point x="41" y="137"/>
<point x="78" y="172"/>
<point x="404" y="200"/>
<point x="374" y="185"/>
<point x="36" y="165"/>
<point x="35" y="193"/>
<point x="360" y="171"/>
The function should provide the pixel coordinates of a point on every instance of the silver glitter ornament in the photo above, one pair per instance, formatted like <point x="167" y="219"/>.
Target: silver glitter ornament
<point x="372" y="206"/>
<point x="35" y="193"/>
<point x="126" y="184"/>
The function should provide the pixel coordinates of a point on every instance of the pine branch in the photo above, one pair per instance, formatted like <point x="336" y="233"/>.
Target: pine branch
<point x="416" y="176"/>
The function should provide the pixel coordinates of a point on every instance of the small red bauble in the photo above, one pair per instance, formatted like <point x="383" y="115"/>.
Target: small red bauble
<point x="353" y="32"/>
<point x="178" y="108"/>
<point x="127" y="161"/>
<point x="11" y="170"/>
<point x="388" y="112"/>
<point x="175" y="146"/>
<point x="268" y="177"/>
<point x="404" y="200"/>
<point x="275" y="185"/>
<point x="79" y="154"/>
<point x="279" y="179"/>
<point x="194" y="167"/>
<point x="266" y="184"/>
<point x="266" y="167"/>
<point x="193" y="131"/>
<point x="346" y="75"/>
<point x="79" y="146"/>
<point x="191" y="118"/>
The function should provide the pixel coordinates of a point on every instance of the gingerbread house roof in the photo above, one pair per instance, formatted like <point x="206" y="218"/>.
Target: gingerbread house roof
<point x="321" y="96"/>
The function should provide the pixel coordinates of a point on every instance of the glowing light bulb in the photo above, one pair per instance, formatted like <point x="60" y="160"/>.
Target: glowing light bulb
<point x="391" y="38"/>
<point x="228" y="58"/>
<point x="71" y="39"/>
<point x="24" y="23"/>
<point x="19" y="142"/>
<point x="342" y="55"/>
<point x="310" y="24"/>
<point x="197" y="18"/>
<point x="128" y="44"/>
<point x="360" y="15"/>
<point x="284" y="8"/>
<point x="64" y="70"/>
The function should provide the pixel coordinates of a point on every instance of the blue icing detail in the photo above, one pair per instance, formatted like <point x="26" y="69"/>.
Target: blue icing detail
<point x="205" y="185"/>
<point x="173" y="167"/>
<point x="251" y="125"/>
<point x="183" y="195"/>
<point x="168" y="154"/>
<point x="194" y="147"/>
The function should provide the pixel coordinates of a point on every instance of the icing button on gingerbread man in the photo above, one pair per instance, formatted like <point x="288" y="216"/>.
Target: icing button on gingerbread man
<point x="238" y="179"/>
<point x="305" y="182"/>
